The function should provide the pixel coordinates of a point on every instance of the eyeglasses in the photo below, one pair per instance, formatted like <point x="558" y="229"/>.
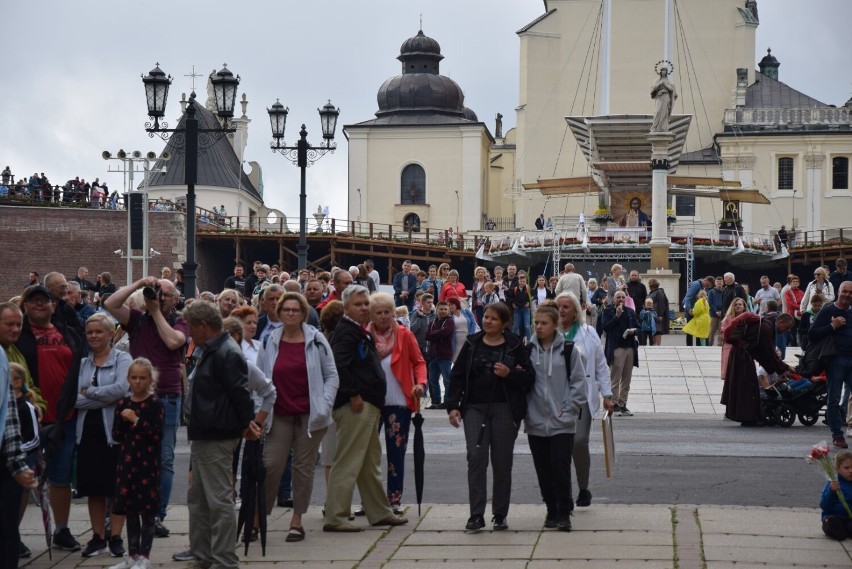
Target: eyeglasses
<point x="38" y="300"/>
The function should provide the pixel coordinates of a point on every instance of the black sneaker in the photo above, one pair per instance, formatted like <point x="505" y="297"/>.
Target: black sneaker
<point x="500" y="523"/>
<point x="96" y="546"/>
<point x="359" y="512"/>
<point x="625" y="412"/>
<point x="285" y="500"/>
<point x="550" y="520"/>
<point x="63" y="539"/>
<point x="159" y="529"/>
<point x="116" y="546"/>
<point x="475" y="523"/>
<point x="584" y="499"/>
<point x="24" y="551"/>
<point x="564" y="523"/>
<point x="616" y="408"/>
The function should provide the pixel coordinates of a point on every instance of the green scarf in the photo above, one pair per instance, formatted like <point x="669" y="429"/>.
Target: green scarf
<point x="572" y="331"/>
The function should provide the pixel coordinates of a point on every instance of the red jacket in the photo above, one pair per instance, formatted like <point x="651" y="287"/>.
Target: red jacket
<point x="407" y="364"/>
<point x="461" y="290"/>
<point x="331" y="296"/>
<point x="793" y="300"/>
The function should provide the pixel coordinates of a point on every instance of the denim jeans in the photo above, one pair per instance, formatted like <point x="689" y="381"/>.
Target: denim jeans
<point x="781" y="341"/>
<point x="839" y="372"/>
<point x="171" y="403"/>
<point x="521" y="326"/>
<point x="60" y="469"/>
<point x="438" y="368"/>
<point x="478" y="311"/>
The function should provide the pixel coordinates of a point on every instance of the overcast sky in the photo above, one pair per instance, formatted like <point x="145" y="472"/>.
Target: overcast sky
<point x="73" y="69"/>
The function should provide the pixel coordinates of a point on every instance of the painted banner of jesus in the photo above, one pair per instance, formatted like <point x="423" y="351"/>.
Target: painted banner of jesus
<point x="635" y="217"/>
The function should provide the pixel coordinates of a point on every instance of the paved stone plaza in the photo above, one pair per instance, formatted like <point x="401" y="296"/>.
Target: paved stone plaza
<point x="677" y="380"/>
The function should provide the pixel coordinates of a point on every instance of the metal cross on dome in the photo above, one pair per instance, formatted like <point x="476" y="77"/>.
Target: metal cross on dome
<point x="193" y="75"/>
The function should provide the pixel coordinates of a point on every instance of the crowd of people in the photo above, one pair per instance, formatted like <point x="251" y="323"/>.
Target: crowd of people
<point x="76" y="191"/>
<point x="311" y="367"/>
<point x="718" y="309"/>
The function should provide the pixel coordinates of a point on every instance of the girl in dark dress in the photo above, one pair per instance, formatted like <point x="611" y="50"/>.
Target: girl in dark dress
<point x="138" y="428"/>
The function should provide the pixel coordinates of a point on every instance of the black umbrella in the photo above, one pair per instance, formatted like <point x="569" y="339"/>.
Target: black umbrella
<point x="254" y="493"/>
<point x="419" y="456"/>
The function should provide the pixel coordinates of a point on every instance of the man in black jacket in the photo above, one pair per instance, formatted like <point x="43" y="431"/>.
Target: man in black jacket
<point x="840" y="275"/>
<point x="622" y="354"/>
<point x="732" y="290"/>
<point x="357" y="413"/>
<point x="220" y="411"/>
<point x="835" y="321"/>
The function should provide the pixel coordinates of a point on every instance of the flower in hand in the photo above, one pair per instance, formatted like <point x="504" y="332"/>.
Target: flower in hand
<point x="819" y="455"/>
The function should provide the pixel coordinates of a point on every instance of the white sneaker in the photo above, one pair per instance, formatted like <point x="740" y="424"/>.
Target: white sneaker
<point x="126" y="563"/>
<point x="142" y="563"/>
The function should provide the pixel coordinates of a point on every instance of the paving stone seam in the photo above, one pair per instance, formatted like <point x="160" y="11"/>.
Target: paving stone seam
<point x="389" y="543"/>
<point x="688" y="540"/>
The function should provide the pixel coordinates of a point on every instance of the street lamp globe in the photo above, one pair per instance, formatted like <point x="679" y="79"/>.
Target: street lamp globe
<point x="328" y="117"/>
<point x="225" y="91"/>
<point x="156" y="91"/>
<point x="278" y="119"/>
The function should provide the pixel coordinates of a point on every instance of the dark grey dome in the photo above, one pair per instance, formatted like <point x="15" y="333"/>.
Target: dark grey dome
<point x="769" y="65"/>
<point x="420" y="92"/>
<point x="421" y="44"/>
<point x="769" y="59"/>
<point x="469" y="114"/>
<point x="421" y="87"/>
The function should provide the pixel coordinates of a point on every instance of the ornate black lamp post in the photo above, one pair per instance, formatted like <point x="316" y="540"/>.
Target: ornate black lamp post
<point x="303" y="155"/>
<point x="191" y="139"/>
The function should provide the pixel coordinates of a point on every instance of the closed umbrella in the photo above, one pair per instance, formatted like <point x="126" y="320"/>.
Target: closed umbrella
<point x="254" y="495"/>
<point x="419" y="455"/>
<point x="44" y="499"/>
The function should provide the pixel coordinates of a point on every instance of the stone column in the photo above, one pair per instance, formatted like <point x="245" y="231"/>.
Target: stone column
<point x="659" y="191"/>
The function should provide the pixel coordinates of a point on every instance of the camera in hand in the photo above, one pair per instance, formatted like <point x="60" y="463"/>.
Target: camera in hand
<point x="151" y="292"/>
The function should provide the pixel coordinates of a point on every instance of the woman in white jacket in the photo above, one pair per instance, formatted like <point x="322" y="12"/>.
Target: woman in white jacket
<point x="300" y="362"/>
<point x="820" y="285"/>
<point x="573" y="326"/>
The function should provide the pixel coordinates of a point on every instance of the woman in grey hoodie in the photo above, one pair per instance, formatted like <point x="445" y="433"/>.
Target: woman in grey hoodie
<point x="553" y="411"/>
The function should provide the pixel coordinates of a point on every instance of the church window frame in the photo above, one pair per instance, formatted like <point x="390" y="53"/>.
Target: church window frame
<point x="411" y="222"/>
<point x="412" y="185"/>
<point x="840" y="173"/>
<point x="786" y="173"/>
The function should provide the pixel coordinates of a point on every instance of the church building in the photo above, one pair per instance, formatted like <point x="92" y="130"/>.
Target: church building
<point x="423" y="162"/>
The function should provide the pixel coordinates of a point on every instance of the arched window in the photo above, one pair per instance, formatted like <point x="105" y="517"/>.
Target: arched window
<point x="411" y="222"/>
<point x="840" y="173"/>
<point x="413" y="185"/>
<point x="785" y="173"/>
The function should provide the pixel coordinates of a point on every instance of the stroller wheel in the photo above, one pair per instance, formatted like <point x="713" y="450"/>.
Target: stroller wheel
<point x="785" y="415"/>
<point x="808" y="419"/>
<point x="767" y="412"/>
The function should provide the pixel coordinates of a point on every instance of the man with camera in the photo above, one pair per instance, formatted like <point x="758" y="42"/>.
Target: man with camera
<point x="621" y="349"/>
<point x="161" y="336"/>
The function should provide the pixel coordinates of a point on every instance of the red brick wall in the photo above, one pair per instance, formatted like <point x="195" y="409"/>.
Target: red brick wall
<point x="46" y="239"/>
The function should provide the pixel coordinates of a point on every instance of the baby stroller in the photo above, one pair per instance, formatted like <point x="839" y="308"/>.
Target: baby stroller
<point x="780" y="405"/>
